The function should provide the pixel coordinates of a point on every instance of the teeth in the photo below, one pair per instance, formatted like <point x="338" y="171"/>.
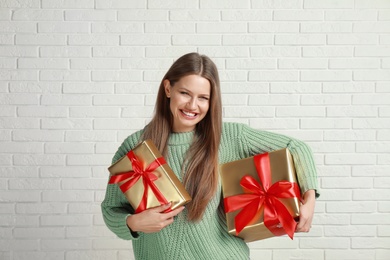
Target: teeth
<point x="189" y="114"/>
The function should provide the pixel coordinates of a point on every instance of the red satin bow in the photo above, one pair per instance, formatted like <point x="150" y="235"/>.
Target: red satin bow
<point x="265" y="197"/>
<point x="148" y="178"/>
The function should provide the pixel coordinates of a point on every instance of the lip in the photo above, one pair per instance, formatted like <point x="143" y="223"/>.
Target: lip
<point x="186" y="114"/>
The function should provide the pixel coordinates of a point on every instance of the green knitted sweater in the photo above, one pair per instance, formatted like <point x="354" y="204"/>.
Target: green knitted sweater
<point x="207" y="239"/>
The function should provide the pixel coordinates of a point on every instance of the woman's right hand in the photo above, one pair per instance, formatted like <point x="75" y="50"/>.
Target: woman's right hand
<point x="152" y="220"/>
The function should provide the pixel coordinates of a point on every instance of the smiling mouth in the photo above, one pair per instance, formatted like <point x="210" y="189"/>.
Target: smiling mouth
<point x="188" y="114"/>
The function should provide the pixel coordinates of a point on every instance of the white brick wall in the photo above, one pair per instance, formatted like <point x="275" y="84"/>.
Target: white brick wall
<point x="76" y="77"/>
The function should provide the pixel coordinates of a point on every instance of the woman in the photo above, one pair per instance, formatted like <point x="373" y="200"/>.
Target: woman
<point x="187" y="128"/>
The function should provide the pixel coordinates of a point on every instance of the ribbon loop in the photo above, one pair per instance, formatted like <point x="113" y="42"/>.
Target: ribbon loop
<point x="265" y="197"/>
<point x="138" y="172"/>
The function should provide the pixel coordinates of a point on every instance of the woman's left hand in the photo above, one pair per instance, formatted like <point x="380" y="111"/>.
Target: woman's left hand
<point x="306" y="211"/>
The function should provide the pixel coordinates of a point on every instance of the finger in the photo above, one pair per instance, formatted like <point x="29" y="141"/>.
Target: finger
<point x="162" y="208"/>
<point x="174" y="212"/>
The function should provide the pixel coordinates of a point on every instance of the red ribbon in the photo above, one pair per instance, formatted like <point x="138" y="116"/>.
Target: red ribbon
<point x="148" y="178"/>
<point x="265" y="197"/>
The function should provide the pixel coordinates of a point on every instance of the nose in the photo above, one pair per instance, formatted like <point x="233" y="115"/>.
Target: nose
<point x="192" y="103"/>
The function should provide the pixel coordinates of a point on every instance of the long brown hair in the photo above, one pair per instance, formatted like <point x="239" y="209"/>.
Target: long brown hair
<point x="201" y="163"/>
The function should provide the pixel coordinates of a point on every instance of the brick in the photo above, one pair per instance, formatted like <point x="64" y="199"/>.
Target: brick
<point x="325" y="99"/>
<point x="35" y="87"/>
<point x="370" y="123"/>
<point x="37" y="15"/>
<point x="326" y="75"/>
<point x="273" y="76"/>
<point x="327" y="51"/>
<point x="371" y="27"/>
<point x="42" y="63"/>
<point x="15" y="123"/>
<point x="88" y="88"/>
<point x="66" y="100"/>
<point x="247" y="63"/>
<point x="350" y="159"/>
<point x="382" y="182"/>
<point x="249" y="87"/>
<point x="38" y="159"/>
<point x="69" y="4"/>
<point x="65" y="244"/>
<point x="5" y="159"/>
<point x="94" y="112"/>
<point x="383" y="159"/>
<point x="146" y="15"/>
<point x="136" y="113"/>
<point x="369" y="75"/>
<point x="326" y="123"/>
<point x="384" y="39"/>
<point x="40" y="111"/>
<point x="383" y="135"/>
<point x="264" y="4"/>
<point x="110" y="244"/>
<point x="117" y="52"/>
<point x="371" y="99"/>
<point x="5" y="15"/>
<point x="172" y="4"/>
<point x="241" y="15"/>
<point x="141" y="63"/>
<point x="382" y="87"/>
<point x="246" y="40"/>
<point x="63" y="27"/>
<point x="221" y="4"/>
<point x="90" y="15"/>
<point x="373" y="147"/>
<point x="64" y="75"/>
<point x="326" y="27"/>
<point x="17" y="27"/>
<point x="351" y="207"/>
<point x="273" y="27"/>
<point x="290" y="111"/>
<point x="116" y="27"/>
<point x="384" y="112"/>
<point x="277" y="51"/>
<point x="41" y="208"/>
<point x="325" y="243"/>
<point x="18" y="172"/>
<point x="298" y="15"/>
<point x="20" y="196"/>
<point x="68" y="148"/>
<point x="20" y="245"/>
<point x="384" y="15"/>
<point x="266" y="100"/>
<point x="66" y="123"/>
<point x="350" y="254"/>
<point x="384" y="206"/>
<point x="19" y="51"/>
<point x="150" y="40"/>
<point x="65" y="172"/>
<point x="8" y="63"/>
<point x="385" y="63"/>
<point x="170" y="27"/>
<point x="39" y="255"/>
<point x="84" y="184"/>
<point x="86" y="208"/>
<point x="350" y="231"/>
<point x="120" y="4"/>
<point x="88" y="136"/>
<point x="328" y="4"/>
<point x="372" y="195"/>
<point x="110" y="148"/>
<point x="354" y="63"/>
<point x="40" y="39"/>
<point x="18" y="74"/>
<point x="199" y="39"/>
<point x="249" y="112"/>
<point x="37" y="135"/>
<point x="8" y="111"/>
<point x="95" y="40"/>
<point x="39" y="232"/>
<point x="352" y="39"/>
<point x="360" y="242"/>
<point x="373" y="170"/>
<point x="378" y="51"/>
<point x="6" y="40"/>
<point x="118" y="100"/>
<point x="302" y="64"/>
<point x="347" y="182"/>
<point x="351" y="15"/>
<point x="95" y="254"/>
<point x="66" y="196"/>
<point x="77" y="160"/>
<point x="65" y="51"/>
<point x="274" y="123"/>
<point x="294" y="87"/>
<point x="21" y="147"/>
<point x="351" y="111"/>
<point x="339" y="195"/>
<point x="115" y="124"/>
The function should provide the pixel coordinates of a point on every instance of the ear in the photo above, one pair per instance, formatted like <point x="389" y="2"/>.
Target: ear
<point x="167" y="87"/>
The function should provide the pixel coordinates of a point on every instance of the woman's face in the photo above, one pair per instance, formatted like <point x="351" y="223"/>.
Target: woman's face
<point x="189" y="101"/>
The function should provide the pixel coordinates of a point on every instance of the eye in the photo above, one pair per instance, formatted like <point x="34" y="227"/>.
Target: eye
<point x="204" y="98"/>
<point x="184" y="93"/>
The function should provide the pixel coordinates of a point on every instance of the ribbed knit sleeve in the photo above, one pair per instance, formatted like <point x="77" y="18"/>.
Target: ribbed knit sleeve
<point x="257" y="141"/>
<point x="115" y="207"/>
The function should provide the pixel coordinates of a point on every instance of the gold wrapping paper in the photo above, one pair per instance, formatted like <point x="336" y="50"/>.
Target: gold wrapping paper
<point x="167" y="182"/>
<point x="282" y="169"/>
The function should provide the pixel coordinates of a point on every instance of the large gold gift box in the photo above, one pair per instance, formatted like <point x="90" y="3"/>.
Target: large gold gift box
<point x="279" y="167"/>
<point x="147" y="180"/>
